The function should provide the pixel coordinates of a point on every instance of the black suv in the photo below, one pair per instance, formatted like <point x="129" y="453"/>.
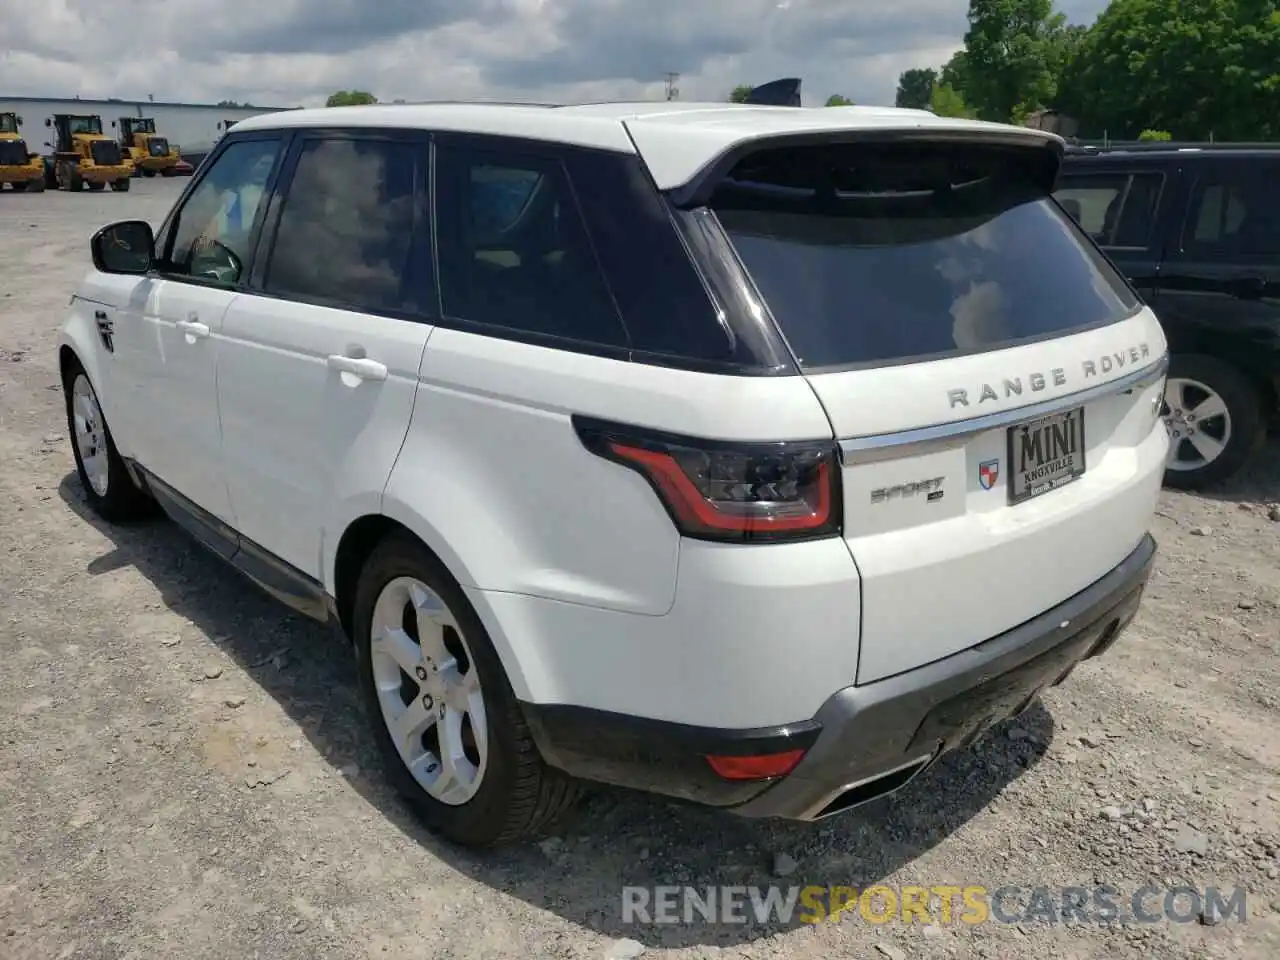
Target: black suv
<point x="1196" y="228"/>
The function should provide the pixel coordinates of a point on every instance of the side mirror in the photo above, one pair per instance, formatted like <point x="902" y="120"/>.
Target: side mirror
<point x="113" y="123"/>
<point x="21" y="121"/>
<point x="48" y="122"/>
<point x="126" y="247"/>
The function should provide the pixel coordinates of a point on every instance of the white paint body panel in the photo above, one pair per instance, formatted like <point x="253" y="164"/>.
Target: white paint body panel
<point x="163" y="394"/>
<point x="302" y="441"/>
<point x="939" y="577"/>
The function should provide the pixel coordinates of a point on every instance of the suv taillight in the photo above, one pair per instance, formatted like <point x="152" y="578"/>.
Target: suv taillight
<point x="718" y="490"/>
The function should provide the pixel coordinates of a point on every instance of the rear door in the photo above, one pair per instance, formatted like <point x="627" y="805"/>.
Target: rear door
<point x="318" y="360"/>
<point x="993" y="382"/>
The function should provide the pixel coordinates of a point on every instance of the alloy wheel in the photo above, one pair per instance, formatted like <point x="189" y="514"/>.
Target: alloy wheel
<point x="429" y="690"/>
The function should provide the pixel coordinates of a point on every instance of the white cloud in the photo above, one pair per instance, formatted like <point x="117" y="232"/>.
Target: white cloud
<point x="289" y="52"/>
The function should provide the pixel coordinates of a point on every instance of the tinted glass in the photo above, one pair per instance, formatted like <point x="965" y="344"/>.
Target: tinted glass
<point x="514" y="252"/>
<point x="1235" y="214"/>
<point x="346" y="235"/>
<point x="210" y="234"/>
<point x="870" y="254"/>
<point x="1115" y="209"/>
<point x="637" y="241"/>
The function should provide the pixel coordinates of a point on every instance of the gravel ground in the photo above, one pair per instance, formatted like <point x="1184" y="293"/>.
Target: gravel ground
<point x="184" y="770"/>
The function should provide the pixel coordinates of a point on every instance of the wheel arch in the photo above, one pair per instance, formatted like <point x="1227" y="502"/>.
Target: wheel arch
<point x="358" y="541"/>
<point x="1246" y="358"/>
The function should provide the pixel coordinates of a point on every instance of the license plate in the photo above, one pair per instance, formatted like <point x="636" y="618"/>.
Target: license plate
<point x="1045" y="454"/>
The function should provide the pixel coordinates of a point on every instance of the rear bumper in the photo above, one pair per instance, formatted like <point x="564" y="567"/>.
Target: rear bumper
<point x="865" y="741"/>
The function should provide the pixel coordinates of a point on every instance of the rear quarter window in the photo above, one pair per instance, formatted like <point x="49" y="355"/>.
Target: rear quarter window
<point x="885" y="253"/>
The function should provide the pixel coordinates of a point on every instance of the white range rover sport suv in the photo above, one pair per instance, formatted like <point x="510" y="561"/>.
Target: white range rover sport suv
<point x="749" y="455"/>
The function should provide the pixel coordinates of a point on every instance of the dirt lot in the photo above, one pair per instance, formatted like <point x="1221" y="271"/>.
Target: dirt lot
<point x="184" y="770"/>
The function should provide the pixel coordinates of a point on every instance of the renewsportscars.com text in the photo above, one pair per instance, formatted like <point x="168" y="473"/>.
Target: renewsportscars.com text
<point x="940" y="904"/>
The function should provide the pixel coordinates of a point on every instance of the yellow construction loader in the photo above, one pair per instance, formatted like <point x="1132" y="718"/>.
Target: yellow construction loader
<point x="19" y="167"/>
<point x="82" y="155"/>
<point x="150" y="152"/>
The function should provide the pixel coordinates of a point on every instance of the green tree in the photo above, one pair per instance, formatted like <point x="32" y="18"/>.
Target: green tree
<point x="915" y="87"/>
<point x="1013" y="55"/>
<point x="955" y="72"/>
<point x="947" y="101"/>
<point x="1191" y="67"/>
<point x="350" y="98"/>
<point x="836" y="100"/>
<point x="740" y="93"/>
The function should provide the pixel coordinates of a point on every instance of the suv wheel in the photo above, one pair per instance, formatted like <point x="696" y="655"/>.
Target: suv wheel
<point x="451" y="734"/>
<point x="1214" y="416"/>
<point x="108" y="487"/>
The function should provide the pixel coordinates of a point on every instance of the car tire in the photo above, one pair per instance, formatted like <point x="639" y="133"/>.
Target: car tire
<point x="120" y="186"/>
<point x="404" y="590"/>
<point x="106" y="482"/>
<point x="1196" y="382"/>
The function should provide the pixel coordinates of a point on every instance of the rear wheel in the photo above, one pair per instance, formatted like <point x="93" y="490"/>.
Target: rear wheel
<point x="452" y="737"/>
<point x="148" y="172"/>
<point x="1214" y="415"/>
<point x="107" y="485"/>
<point x="120" y="186"/>
<point x="35" y="186"/>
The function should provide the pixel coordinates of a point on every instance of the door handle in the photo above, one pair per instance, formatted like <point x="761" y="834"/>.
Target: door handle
<point x="194" y="329"/>
<point x="361" y="367"/>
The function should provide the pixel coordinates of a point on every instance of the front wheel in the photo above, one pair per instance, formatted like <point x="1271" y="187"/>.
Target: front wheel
<point x="1214" y="415"/>
<point x="107" y="485"/>
<point x="452" y="737"/>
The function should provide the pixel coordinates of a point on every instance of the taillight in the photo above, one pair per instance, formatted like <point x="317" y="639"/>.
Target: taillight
<point x="716" y="490"/>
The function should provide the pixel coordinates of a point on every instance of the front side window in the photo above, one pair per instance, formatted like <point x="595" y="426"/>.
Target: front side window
<point x="347" y="234"/>
<point x="210" y="234"/>
<point x="514" y="251"/>
<point x="870" y="254"/>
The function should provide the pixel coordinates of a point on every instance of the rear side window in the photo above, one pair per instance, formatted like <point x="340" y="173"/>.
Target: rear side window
<point x="514" y="251"/>
<point x="1115" y="209"/>
<point x="347" y="234"/>
<point x="1235" y="214"/>
<point x="873" y="254"/>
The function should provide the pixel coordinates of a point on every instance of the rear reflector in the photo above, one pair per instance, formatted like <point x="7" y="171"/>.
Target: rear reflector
<point x="763" y="767"/>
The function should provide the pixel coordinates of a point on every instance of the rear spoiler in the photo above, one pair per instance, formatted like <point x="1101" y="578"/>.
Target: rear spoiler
<point x="776" y="93"/>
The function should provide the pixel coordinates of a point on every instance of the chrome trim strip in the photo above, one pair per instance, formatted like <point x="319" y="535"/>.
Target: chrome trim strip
<point x="883" y="446"/>
<point x="920" y="762"/>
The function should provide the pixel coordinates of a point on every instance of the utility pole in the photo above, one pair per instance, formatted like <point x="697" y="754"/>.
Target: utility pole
<point x="673" y="92"/>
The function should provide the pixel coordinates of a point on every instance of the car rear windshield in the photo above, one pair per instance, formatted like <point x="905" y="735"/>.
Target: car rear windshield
<point x="882" y="253"/>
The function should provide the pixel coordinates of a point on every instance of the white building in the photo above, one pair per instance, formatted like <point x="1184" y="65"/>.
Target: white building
<point x="193" y="127"/>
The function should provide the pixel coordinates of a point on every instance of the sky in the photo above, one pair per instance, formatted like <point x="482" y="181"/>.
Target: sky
<point x="297" y="52"/>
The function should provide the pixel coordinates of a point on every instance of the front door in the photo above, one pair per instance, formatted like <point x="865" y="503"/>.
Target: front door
<point x="203" y="260"/>
<point x="318" y="363"/>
